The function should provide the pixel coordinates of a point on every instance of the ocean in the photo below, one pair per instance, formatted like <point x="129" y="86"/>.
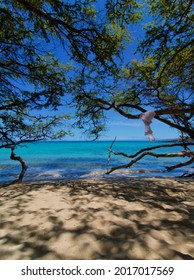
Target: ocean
<point x="85" y="159"/>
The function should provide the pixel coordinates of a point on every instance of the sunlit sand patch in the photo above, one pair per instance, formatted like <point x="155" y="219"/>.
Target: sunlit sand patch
<point x="123" y="218"/>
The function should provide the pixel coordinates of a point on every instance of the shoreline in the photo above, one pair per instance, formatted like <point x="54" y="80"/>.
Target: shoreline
<point x="98" y="175"/>
<point x="99" y="218"/>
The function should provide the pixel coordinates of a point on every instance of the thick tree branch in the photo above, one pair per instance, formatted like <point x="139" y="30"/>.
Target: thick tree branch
<point x="181" y="154"/>
<point x="184" y="145"/>
<point x="170" y="168"/>
<point x="181" y="128"/>
<point x="144" y="152"/>
<point x="46" y="16"/>
<point x="167" y="111"/>
<point x="23" y="165"/>
<point x="101" y="102"/>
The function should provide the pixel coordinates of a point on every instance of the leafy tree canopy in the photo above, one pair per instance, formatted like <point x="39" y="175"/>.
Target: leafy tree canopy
<point x="32" y="78"/>
<point x="96" y="76"/>
<point x="159" y="77"/>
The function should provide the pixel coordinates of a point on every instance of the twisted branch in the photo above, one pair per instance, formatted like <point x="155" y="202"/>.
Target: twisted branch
<point x="145" y="152"/>
<point x="22" y="162"/>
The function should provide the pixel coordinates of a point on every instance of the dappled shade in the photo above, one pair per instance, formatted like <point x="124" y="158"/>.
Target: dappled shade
<point x="127" y="218"/>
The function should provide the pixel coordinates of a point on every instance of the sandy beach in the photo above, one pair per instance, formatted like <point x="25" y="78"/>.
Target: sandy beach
<point x="120" y="218"/>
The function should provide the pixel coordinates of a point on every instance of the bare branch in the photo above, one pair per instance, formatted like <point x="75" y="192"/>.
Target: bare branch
<point x="185" y="145"/>
<point x="170" y="168"/>
<point x="181" y="154"/>
<point x="110" y="150"/>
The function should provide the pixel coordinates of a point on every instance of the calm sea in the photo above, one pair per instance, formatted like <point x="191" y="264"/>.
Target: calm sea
<point x="84" y="159"/>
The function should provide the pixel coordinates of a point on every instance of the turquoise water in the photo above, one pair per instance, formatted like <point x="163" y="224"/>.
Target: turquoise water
<point x="77" y="159"/>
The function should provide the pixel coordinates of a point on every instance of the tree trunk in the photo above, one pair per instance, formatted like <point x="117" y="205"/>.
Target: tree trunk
<point x="23" y="165"/>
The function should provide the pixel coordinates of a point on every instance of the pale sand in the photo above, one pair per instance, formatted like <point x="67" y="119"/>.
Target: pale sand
<point x="123" y="218"/>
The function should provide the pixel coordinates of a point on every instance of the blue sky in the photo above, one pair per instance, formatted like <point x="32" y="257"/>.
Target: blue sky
<point x="132" y="130"/>
<point x="135" y="129"/>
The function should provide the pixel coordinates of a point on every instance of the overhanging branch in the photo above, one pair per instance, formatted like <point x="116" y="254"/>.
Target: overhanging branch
<point x="184" y="145"/>
<point x="170" y="168"/>
<point x="165" y="155"/>
<point x="101" y="103"/>
<point x="146" y="152"/>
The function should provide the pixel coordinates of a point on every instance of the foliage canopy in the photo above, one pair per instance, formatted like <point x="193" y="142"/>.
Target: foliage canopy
<point x="32" y="77"/>
<point x="159" y="76"/>
<point x="94" y="75"/>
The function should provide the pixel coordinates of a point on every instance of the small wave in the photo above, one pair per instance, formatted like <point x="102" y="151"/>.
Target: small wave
<point x="96" y="173"/>
<point x="49" y="174"/>
<point x="124" y="172"/>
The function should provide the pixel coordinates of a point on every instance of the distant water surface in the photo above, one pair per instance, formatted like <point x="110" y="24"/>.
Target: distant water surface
<point x="84" y="159"/>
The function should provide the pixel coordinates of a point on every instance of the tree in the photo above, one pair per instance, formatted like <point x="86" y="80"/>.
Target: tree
<point x="33" y="80"/>
<point x="161" y="79"/>
<point x="93" y="79"/>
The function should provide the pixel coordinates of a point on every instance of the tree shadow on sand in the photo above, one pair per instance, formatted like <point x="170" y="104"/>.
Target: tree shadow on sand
<point x="123" y="218"/>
